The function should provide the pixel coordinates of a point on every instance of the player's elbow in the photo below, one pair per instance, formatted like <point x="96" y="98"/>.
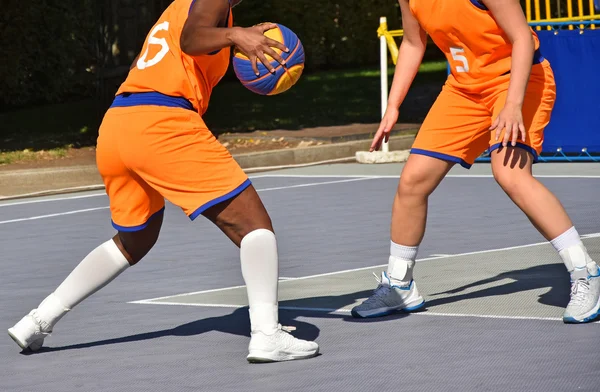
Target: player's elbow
<point x="186" y="41"/>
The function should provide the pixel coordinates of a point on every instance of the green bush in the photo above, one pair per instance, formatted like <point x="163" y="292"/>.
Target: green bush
<point x="334" y="34"/>
<point x="46" y="49"/>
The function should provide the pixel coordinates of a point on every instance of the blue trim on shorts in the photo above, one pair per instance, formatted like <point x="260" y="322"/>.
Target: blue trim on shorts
<point x="479" y="5"/>
<point x="151" y="98"/>
<point x="139" y="227"/>
<point x="525" y="147"/>
<point x="221" y="199"/>
<point x="443" y="157"/>
<point x="537" y="56"/>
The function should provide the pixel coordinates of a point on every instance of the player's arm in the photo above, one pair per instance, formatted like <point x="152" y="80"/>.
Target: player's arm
<point x="201" y="34"/>
<point x="410" y="55"/>
<point x="509" y="16"/>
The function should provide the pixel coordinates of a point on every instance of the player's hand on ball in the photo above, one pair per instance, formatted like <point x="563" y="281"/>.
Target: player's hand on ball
<point x="511" y="119"/>
<point x="254" y="44"/>
<point x="390" y="118"/>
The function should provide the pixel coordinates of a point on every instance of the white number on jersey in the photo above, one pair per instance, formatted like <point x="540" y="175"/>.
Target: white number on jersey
<point x="457" y="56"/>
<point x="152" y="40"/>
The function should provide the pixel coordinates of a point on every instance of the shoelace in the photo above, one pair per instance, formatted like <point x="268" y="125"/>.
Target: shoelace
<point x="579" y="289"/>
<point x="380" y="291"/>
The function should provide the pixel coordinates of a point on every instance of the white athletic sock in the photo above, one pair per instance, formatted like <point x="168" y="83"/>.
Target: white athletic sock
<point x="95" y="271"/>
<point x="260" y="269"/>
<point x="401" y="264"/>
<point x="572" y="251"/>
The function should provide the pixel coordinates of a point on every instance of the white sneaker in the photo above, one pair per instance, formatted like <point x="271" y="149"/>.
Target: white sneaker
<point x="388" y="298"/>
<point x="29" y="332"/>
<point x="584" y="305"/>
<point x="280" y="346"/>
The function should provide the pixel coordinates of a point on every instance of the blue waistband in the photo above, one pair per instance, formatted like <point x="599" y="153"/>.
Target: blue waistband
<point x="537" y="57"/>
<point x="150" y="98"/>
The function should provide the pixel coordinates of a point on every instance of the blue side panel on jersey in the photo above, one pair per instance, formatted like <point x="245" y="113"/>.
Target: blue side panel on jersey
<point x="575" y="122"/>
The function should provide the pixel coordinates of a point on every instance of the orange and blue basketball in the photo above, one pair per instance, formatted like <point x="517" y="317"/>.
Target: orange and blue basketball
<point x="284" y="77"/>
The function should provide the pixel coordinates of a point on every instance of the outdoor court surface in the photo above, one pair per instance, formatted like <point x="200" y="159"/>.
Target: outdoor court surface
<point x="178" y="321"/>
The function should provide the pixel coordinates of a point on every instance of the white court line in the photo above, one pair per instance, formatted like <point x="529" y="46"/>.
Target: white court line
<point x="52" y="215"/>
<point x="314" y="184"/>
<point x="103" y="208"/>
<point x="347" y="311"/>
<point x="54" y="199"/>
<point x="150" y="300"/>
<point x="397" y="176"/>
<point x="354" y="176"/>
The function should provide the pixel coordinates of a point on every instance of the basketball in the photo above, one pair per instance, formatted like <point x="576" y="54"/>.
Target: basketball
<point x="284" y="77"/>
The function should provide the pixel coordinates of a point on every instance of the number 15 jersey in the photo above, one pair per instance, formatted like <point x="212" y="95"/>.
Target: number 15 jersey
<point x="476" y="47"/>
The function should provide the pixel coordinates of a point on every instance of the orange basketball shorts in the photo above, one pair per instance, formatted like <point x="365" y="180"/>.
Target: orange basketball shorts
<point x="456" y="128"/>
<point x="148" y="153"/>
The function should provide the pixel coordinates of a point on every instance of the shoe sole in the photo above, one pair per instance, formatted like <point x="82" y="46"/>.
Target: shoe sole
<point x="16" y="339"/>
<point x="585" y="319"/>
<point x="387" y="312"/>
<point x="32" y="346"/>
<point x="258" y="356"/>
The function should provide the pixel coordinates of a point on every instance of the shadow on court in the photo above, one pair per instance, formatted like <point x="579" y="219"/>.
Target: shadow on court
<point x="552" y="276"/>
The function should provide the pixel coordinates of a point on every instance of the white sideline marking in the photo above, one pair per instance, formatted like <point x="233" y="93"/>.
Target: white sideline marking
<point x="355" y="176"/>
<point x="54" y="199"/>
<point x="103" y="208"/>
<point x="150" y="300"/>
<point x="347" y="311"/>
<point x="52" y="215"/>
<point x="397" y="176"/>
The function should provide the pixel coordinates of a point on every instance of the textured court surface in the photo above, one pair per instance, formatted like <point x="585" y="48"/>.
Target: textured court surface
<point x="495" y="295"/>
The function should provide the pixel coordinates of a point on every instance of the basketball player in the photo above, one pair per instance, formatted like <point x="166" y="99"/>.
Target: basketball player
<point x="153" y="144"/>
<point x="500" y="95"/>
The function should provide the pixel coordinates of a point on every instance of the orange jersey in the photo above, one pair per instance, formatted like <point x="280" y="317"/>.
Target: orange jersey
<point x="477" y="49"/>
<point x="162" y="66"/>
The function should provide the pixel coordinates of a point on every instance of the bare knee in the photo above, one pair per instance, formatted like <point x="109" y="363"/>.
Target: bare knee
<point x="240" y="215"/>
<point x="135" y="245"/>
<point x="415" y="183"/>
<point x="421" y="175"/>
<point x="512" y="171"/>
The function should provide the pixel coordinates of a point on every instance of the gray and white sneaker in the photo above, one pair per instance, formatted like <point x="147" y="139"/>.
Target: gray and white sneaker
<point x="388" y="298"/>
<point x="584" y="305"/>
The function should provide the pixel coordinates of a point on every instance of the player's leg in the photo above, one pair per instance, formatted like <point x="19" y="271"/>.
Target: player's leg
<point x="512" y="168"/>
<point x="222" y="192"/>
<point x="137" y="213"/>
<point x="449" y="135"/>
<point x="246" y="222"/>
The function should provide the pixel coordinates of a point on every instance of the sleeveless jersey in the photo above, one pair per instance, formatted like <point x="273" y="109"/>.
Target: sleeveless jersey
<point x="475" y="46"/>
<point x="162" y="66"/>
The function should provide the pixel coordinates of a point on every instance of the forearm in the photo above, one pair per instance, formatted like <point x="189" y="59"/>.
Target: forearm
<point x="409" y="60"/>
<point x="204" y="40"/>
<point x="522" y="59"/>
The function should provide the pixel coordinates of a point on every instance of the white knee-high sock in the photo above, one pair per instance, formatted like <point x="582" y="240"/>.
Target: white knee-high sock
<point x="401" y="264"/>
<point x="573" y="252"/>
<point x="95" y="271"/>
<point x="260" y="269"/>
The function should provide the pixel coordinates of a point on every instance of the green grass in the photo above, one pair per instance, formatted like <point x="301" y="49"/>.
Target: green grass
<point x="29" y="155"/>
<point x="319" y="99"/>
